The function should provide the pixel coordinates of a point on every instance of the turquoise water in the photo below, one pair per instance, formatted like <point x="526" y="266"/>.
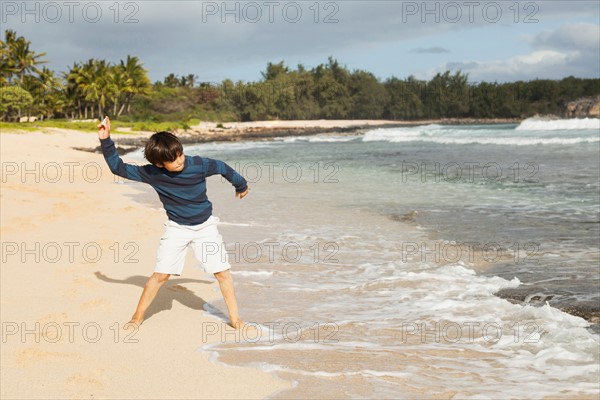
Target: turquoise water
<point x="370" y="262"/>
<point x="534" y="194"/>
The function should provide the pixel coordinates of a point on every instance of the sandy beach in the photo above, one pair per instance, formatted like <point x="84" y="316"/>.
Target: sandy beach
<point x="76" y="253"/>
<point x="406" y="195"/>
<point x="78" y="246"/>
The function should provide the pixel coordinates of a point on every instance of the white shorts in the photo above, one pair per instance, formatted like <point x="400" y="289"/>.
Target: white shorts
<point x="206" y="243"/>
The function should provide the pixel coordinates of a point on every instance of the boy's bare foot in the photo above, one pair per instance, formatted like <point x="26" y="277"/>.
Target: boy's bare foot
<point x="239" y="325"/>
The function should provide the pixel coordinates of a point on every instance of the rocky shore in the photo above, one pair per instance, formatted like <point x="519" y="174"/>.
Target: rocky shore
<point x="583" y="108"/>
<point x="530" y="295"/>
<point x="269" y="130"/>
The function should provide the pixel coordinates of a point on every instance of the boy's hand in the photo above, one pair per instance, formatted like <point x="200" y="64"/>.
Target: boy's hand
<point x="104" y="128"/>
<point x="241" y="195"/>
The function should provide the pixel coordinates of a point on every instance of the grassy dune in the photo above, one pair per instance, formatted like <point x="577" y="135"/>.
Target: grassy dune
<point x="91" y="126"/>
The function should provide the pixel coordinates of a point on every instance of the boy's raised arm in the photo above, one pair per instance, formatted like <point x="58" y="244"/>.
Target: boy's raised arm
<point x="116" y="165"/>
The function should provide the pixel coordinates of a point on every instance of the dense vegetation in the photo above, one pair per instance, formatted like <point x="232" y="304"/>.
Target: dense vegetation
<point x="95" y="88"/>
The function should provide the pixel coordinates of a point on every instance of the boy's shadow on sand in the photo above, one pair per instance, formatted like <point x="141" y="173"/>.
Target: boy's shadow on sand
<point x="171" y="290"/>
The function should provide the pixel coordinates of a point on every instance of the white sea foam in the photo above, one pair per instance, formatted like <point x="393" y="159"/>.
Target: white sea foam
<point x="319" y="139"/>
<point x="253" y="273"/>
<point x="521" y="344"/>
<point x="370" y="295"/>
<point x="532" y="344"/>
<point x="541" y="124"/>
<point x="203" y="149"/>
<point x="136" y="155"/>
<point x="217" y="147"/>
<point x="234" y="224"/>
<point x="453" y="135"/>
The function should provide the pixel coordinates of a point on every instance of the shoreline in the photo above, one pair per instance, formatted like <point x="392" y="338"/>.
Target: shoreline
<point x="101" y="292"/>
<point x="580" y="308"/>
<point x="269" y="130"/>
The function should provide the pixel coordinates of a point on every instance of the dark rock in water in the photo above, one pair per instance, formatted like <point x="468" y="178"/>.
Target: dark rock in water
<point x="583" y="108"/>
<point x="588" y="310"/>
<point x="408" y="217"/>
<point x="120" y="149"/>
<point x="125" y="145"/>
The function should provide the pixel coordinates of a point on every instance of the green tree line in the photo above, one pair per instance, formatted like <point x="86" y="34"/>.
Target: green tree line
<point x="328" y="91"/>
<point x="87" y="90"/>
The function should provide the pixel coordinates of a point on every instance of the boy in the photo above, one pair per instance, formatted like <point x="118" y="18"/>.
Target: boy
<point x="180" y="183"/>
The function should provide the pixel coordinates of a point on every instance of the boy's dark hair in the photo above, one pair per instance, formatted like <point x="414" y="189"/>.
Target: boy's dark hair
<point x="162" y="147"/>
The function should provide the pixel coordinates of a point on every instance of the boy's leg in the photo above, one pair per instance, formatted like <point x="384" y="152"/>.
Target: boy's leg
<point x="170" y="259"/>
<point x="226" y="285"/>
<point x="153" y="283"/>
<point x="210" y="251"/>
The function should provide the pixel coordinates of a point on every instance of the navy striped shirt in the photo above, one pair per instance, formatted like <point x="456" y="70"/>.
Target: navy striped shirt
<point x="183" y="194"/>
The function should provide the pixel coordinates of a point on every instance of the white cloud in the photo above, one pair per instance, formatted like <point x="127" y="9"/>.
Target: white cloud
<point x="539" y="64"/>
<point x="175" y="36"/>
<point x="571" y="49"/>
<point x="430" y="50"/>
<point x="582" y="36"/>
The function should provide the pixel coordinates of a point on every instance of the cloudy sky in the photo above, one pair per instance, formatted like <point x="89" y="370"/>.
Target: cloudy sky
<point x="490" y="40"/>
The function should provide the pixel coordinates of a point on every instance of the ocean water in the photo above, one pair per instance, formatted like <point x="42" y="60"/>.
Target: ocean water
<point x="372" y="263"/>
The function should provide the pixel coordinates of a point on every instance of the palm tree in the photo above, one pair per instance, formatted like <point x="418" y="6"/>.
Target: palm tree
<point x="172" y="81"/>
<point x="92" y="80"/>
<point x="99" y="88"/>
<point x="191" y="80"/>
<point x="117" y="81"/>
<point x="5" y="69"/>
<point x="17" y="58"/>
<point x="85" y="84"/>
<point x="50" y="88"/>
<point x="24" y="59"/>
<point x="10" y="37"/>
<point x="7" y="65"/>
<point x="136" y="81"/>
<point x="72" y="91"/>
